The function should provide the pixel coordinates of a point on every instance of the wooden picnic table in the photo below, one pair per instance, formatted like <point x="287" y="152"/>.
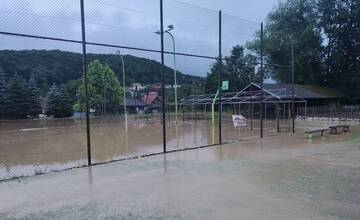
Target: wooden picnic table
<point x="335" y="129"/>
<point x="314" y="131"/>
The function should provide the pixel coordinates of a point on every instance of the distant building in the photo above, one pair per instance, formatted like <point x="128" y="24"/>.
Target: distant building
<point x="314" y="95"/>
<point x="152" y="101"/>
<point x="152" y="98"/>
<point x="134" y="105"/>
<point x="136" y="87"/>
<point x="83" y="114"/>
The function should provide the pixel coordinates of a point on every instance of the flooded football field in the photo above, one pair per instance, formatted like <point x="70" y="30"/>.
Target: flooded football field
<point x="29" y="147"/>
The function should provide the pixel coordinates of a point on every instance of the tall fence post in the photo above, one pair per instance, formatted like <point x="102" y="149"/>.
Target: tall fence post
<point x="162" y="75"/>
<point x="86" y="83"/>
<point x="292" y="86"/>
<point x="220" y="77"/>
<point x="262" y="80"/>
<point x="277" y="117"/>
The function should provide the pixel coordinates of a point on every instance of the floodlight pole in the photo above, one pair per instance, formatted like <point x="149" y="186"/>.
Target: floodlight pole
<point x="213" y="108"/>
<point x="175" y="81"/>
<point x="262" y="79"/>
<point x="220" y="77"/>
<point x="86" y="81"/>
<point x="292" y="86"/>
<point x="124" y="85"/>
<point x="171" y="27"/>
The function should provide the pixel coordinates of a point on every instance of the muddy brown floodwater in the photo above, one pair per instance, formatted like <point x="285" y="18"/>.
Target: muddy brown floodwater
<point x="279" y="177"/>
<point x="30" y="147"/>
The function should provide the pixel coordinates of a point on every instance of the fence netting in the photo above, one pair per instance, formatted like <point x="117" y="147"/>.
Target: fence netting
<point x="135" y="106"/>
<point x="240" y="69"/>
<point x="192" y="33"/>
<point x="38" y="83"/>
<point x="58" y="19"/>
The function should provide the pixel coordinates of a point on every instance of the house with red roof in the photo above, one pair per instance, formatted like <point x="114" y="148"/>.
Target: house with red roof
<point x="151" y="99"/>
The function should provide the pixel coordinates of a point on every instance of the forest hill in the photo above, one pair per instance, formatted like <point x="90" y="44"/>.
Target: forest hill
<point x="34" y="80"/>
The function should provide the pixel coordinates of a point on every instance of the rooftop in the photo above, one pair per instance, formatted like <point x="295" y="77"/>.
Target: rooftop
<point x="272" y="93"/>
<point x="307" y="91"/>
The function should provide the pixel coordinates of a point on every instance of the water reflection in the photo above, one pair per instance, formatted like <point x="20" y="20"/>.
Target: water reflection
<point x="90" y="176"/>
<point x="165" y="162"/>
<point x="220" y="153"/>
<point x="35" y="146"/>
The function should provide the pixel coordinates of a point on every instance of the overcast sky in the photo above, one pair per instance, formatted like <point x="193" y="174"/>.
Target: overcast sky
<point x="133" y="23"/>
<point x="254" y="10"/>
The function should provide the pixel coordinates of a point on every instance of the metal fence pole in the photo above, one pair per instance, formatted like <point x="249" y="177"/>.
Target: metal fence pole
<point x="220" y="78"/>
<point x="162" y="74"/>
<point x="292" y="86"/>
<point x="277" y="117"/>
<point x="262" y="80"/>
<point x="265" y="115"/>
<point x="86" y="83"/>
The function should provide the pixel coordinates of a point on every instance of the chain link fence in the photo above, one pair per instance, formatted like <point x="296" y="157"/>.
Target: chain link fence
<point x="92" y="81"/>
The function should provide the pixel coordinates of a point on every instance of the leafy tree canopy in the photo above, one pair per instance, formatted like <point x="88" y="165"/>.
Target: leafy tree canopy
<point x="292" y="22"/>
<point x="105" y="92"/>
<point x="238" y="69"/>
<point x="340" y="22"/>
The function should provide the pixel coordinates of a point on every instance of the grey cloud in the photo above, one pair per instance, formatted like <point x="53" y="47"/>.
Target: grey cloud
<point x="195" y="29"/>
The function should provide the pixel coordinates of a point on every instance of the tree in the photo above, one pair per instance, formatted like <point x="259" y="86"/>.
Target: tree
<point x="52" y="101"/>
<point x="59" y="103"/>
<point x="238" y="69"/>
<point x="105" y="92"/>
<point x="212" y="79"/>
<point x="65" y="103"/>
<point x="34" y="99"/>
<point x="292" y="22"/>
<point x="241" y="67"/>
<point x="3" y="94"/>
<point x="340" y="21"/>
<point x="72" y="86"/>
<point x="41" y="74"/>
<point x="18" y="100"/>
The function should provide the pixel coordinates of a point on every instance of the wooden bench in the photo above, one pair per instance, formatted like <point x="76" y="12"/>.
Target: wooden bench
<point x="334" y="129"/>
<point x="320" y="130"/>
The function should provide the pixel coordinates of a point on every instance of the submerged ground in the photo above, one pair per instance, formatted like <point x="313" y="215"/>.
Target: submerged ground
<point x="29" y="147"/>
<point x="279" y="177"/>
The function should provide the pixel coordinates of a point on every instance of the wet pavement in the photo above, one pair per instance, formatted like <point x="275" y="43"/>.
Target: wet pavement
<point x="279" y="177"/>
